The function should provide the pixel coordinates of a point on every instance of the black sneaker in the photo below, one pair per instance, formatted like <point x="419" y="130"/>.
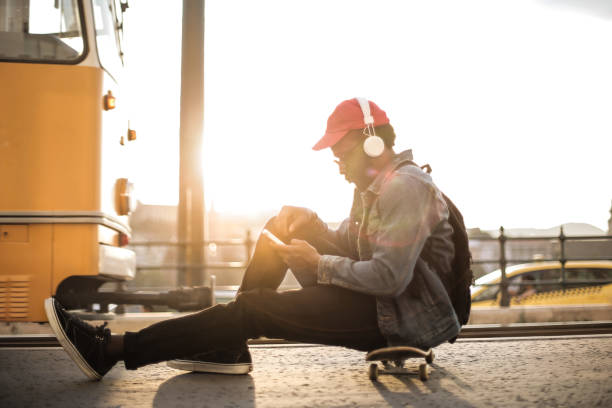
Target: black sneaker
<point x="220" y="362"/>
<point x="85" y="344"/>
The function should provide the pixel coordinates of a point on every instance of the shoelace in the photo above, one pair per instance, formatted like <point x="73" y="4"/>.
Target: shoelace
<point x="100" y="333"/>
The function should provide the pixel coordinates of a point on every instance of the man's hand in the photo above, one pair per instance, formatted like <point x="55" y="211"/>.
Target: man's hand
<point x="298" y="255"/>
<point x="291" y="219"/>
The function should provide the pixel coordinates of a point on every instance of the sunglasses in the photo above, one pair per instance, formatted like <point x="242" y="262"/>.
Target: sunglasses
<point x="343" y="156"/>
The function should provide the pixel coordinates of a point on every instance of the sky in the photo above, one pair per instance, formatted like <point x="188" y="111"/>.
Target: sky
<point x="510" y="102"/>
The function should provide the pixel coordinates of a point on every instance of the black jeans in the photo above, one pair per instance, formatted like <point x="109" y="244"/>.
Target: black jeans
<point x="321" y="314"/>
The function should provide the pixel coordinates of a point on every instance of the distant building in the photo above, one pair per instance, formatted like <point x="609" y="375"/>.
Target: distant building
<point x="154" y="223"/>
<point x="482" y="247"/>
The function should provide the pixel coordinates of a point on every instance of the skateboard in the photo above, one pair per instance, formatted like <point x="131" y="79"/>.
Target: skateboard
<point x="393" y="359"/>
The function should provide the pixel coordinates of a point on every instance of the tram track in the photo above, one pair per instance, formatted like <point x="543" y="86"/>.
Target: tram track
<point x="488" y="331"/>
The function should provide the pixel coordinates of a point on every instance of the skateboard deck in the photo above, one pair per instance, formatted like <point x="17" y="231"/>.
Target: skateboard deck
<point x="393" y="359"/>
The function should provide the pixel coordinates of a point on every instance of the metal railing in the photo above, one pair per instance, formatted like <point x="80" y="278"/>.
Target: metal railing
<point x="562" y="258"/>
<point x="165" y="275"/>
<point x="247" y="242"/>
<point x="502" y="260"/>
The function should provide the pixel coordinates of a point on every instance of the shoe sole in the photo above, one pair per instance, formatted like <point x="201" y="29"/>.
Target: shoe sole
<point x="204" y="367"/>
<point x="61" y="335"/>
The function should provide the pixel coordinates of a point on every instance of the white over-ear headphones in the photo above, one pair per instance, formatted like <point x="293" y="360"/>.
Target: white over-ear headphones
<point x="373" y="146"/>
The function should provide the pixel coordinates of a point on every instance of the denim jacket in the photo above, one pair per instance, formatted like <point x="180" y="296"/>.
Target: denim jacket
<point x="400" y="243"/>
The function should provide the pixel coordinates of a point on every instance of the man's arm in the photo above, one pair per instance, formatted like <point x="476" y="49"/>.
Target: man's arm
<point x="409" y="209"/>
<point x="291" y="220"/>
<point x="304" y="223"/>
<point x="300" y="255"/>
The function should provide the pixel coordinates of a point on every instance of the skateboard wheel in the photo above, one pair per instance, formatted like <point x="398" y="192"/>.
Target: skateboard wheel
<point x="430" y="357"/>
<point x="373" y="372"/>
<point x="423" y="372"/>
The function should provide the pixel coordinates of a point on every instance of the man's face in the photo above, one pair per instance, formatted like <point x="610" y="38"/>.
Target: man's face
<point x="351" y="159"/>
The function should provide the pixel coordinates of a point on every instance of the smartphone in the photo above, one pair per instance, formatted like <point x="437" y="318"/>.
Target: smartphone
<point x="272" y="237"/>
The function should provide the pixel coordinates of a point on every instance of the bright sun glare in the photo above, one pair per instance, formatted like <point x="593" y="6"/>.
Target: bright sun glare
<point x="508" y="101"/>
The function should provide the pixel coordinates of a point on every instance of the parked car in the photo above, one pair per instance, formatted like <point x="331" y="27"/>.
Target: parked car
<point x="539" y="283"/>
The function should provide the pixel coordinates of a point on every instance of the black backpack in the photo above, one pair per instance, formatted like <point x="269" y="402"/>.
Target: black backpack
<point x="459" y="289"/>
<point x="457" y="284"/>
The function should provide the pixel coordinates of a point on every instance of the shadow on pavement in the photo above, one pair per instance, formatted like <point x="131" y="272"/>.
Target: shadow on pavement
<point x="415" y="395"/>
<point x="199" y="389"/>
<point x="443" y="373"/>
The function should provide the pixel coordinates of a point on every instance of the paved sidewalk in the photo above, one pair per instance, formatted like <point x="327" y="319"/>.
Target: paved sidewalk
<point x="567" y="372"/>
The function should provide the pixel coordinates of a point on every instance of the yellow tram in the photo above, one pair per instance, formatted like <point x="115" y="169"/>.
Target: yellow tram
<point x="65" y="144"/>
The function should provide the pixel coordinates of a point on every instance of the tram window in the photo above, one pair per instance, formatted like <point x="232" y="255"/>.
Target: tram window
<point x="107" y="36"/>
<point x="41" y="30"/>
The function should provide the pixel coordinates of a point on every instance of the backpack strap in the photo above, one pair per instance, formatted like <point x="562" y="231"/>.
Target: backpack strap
<point x="462" y="277"/>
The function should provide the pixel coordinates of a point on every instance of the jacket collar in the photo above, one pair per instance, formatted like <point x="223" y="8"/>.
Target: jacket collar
<point x="398" y="160"/>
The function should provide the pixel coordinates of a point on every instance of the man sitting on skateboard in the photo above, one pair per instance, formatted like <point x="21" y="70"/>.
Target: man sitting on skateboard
<point x="378" y="280"/>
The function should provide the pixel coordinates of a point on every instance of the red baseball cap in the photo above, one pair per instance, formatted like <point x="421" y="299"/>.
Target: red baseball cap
<point x="348" y="116"/>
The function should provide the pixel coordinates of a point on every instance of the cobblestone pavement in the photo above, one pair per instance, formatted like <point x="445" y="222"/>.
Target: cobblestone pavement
<point x="540" y="372"/>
